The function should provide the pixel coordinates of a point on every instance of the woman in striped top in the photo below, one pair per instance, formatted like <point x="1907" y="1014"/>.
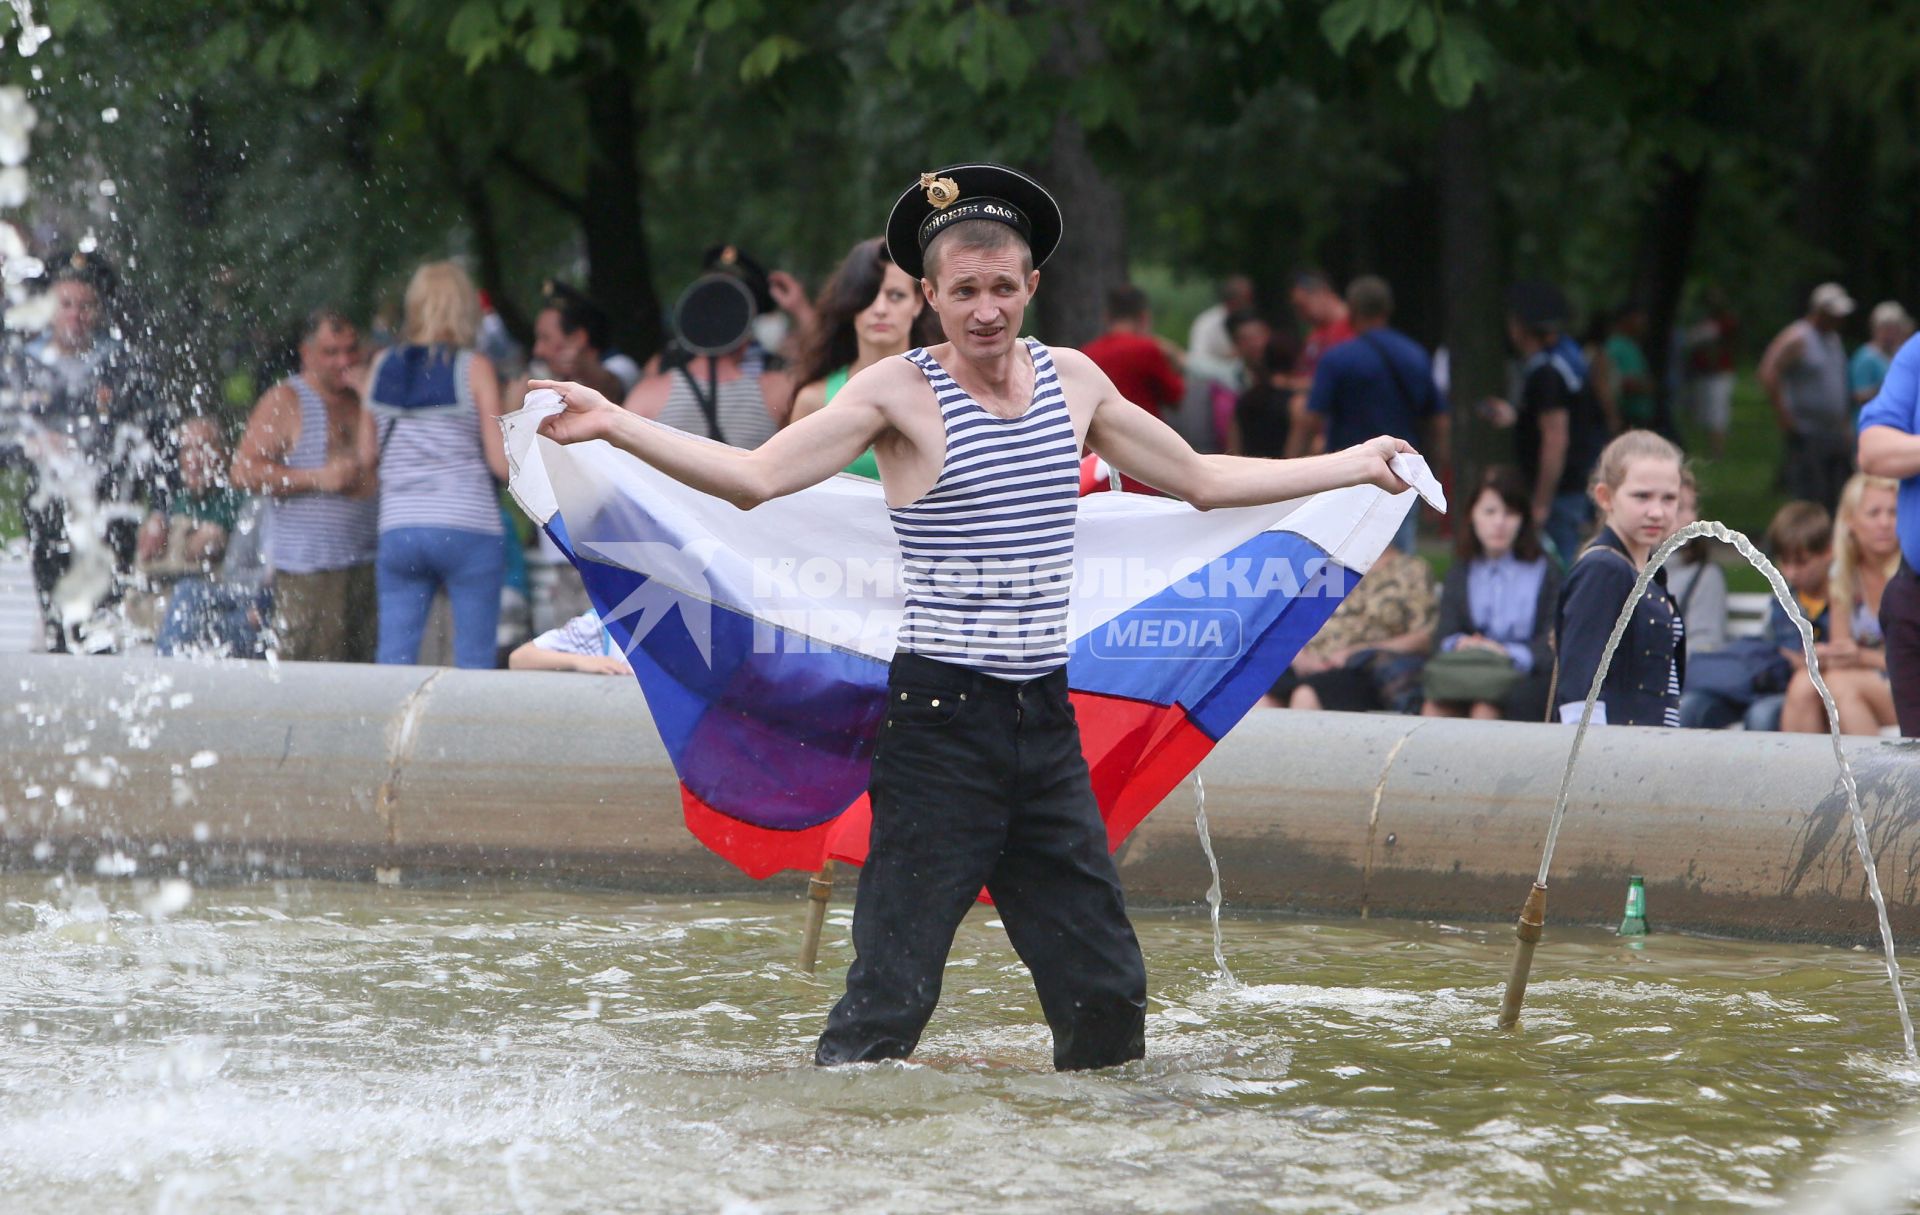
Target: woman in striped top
<point x="435" y="438"/>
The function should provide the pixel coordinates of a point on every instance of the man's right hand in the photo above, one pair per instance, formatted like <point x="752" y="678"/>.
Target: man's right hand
<point x="337" y="474"/>
<point x="588" y="415"/>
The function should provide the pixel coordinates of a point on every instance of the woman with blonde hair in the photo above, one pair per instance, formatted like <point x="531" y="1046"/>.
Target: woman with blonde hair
<point x="435" y="439"/>
<point x="1866" y="554"/>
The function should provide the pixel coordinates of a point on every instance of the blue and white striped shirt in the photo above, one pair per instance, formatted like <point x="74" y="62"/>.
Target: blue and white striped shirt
<point x="988" y="551"/>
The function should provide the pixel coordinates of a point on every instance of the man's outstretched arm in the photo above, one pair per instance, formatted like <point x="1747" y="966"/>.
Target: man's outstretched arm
<point x="805" y="453"/>
<point x="1147" y="449"/>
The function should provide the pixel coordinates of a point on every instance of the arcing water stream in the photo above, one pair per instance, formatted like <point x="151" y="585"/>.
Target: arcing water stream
<point x="1744" y="547"/>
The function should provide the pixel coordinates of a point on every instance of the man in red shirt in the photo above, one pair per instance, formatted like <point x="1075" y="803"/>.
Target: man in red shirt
<point x="1324" y="313"/>
<point x="1140" y="365"/>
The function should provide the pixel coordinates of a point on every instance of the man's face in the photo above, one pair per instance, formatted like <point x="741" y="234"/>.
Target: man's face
<point x="1523" y="339"/>
<point x="329" y="355"/>
<point x="76" y="314"/>
<point x="1807" y="573"/>
<point x="1302" y="299"/>
<point x="200" y="455"/>
<point x="1250" y="340"/>
<point x="981" y="298"/>
<point x="554" y="346"/>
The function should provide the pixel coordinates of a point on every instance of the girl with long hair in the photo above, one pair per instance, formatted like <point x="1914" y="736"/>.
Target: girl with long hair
<point x="1866" y="553"/>
<point x="1498" y="598"/>
<point x="869" y="310"/>
<point x="1636" y="485"/>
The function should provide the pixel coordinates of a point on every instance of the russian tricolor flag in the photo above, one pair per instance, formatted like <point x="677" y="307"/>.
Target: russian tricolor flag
<point x="761" y="638"/>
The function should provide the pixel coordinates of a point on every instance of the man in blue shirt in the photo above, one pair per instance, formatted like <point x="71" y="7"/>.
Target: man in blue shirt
<point x="1890" y="447"/>
<point x="1380" y="383"/>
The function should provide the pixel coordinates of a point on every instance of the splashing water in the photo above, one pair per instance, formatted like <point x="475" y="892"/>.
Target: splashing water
<point x="32" y="33"/>
<point x="1744" y="547"/>
<point x="1214" y="899"/>
<point x="66" y="478"/>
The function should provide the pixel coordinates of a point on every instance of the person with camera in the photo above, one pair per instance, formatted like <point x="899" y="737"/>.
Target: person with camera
<point x="716" y="379"/>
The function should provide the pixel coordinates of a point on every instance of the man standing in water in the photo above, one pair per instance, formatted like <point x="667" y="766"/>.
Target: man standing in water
<point x="979" y="779"/>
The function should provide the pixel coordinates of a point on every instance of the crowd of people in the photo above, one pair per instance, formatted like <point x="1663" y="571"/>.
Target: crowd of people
<point x="368" y="481"/>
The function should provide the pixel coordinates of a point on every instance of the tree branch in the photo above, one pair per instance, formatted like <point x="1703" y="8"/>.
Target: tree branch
<point x="541" y="184"/>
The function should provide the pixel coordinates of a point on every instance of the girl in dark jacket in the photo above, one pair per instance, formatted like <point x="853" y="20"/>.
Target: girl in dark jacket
<point x="1500" y="595"/>
<point x="1636" y="485"/>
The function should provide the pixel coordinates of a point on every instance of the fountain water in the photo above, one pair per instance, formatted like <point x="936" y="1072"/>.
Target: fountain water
<point x="1214" y="898"/>
<point x="1532" y="917"/>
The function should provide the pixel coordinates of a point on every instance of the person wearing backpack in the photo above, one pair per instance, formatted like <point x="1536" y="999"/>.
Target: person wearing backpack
<point x="1636" y="486"/>
<point x="1380" y="383"/>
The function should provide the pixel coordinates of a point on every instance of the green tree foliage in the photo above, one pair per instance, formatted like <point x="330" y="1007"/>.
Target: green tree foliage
<point x="273" y="153"/>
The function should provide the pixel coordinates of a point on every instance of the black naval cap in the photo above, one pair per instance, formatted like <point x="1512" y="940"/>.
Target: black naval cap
<point x="959" y="193"/>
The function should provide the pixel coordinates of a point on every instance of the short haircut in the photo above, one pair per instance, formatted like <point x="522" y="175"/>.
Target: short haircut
<point x="1126" y="302"/>
<point x="1800" y="529"/>
<point x="980" y="235"/>
<point x="576" y="312"/>
<point x="324" y="317"/>
<point x="1312" y="281"/>
<point x="1369" y="298"/>
<point x="1240" y="317"/>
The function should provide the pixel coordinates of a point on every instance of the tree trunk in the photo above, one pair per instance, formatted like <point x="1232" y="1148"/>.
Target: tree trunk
<point x="1093" y="248"/>
<point x="1093" y="251"/>
<point x="1666" y="251"/>
<point x="619" y="266"/>
<point x="477" y="201"/>
<point x="1473" y="315"/>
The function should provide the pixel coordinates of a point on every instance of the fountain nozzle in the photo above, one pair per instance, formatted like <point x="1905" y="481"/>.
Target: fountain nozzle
<point x="1533" y="922"/>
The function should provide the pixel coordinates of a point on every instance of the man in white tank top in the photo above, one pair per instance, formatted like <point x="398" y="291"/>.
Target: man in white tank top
<point x="1804" y="372"/>
<point x="301" y="449"/>
<point x="979" y="780"/>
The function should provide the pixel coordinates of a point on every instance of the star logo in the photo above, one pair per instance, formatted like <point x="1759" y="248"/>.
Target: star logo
<point x="676" y="577"/>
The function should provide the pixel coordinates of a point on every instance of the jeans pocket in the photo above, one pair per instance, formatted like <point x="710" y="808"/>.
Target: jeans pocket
<point x="922" y="707"/>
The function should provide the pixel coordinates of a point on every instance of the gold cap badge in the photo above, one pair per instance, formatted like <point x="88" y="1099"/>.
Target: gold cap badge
<point x="941" y="191"/>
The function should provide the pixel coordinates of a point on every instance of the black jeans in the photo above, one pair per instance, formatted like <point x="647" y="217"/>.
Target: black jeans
<point x="981" y="782"/>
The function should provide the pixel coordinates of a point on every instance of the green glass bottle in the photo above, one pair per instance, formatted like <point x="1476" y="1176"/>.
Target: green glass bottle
<point x="1634" y="923"/>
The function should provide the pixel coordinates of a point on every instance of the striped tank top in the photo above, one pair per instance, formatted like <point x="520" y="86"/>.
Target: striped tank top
<point x="310" y="533"/>
<point x="433" y="469"/>
<point x="740" y="409"/>
<point x="987" y="554"/>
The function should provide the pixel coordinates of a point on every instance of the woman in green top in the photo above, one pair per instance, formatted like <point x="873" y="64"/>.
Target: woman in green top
<point x="869" y="310"/>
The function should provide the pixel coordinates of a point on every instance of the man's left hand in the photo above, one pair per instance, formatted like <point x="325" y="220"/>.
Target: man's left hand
<point x="587" y="416"/>
<point x="1377" y="452"/>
